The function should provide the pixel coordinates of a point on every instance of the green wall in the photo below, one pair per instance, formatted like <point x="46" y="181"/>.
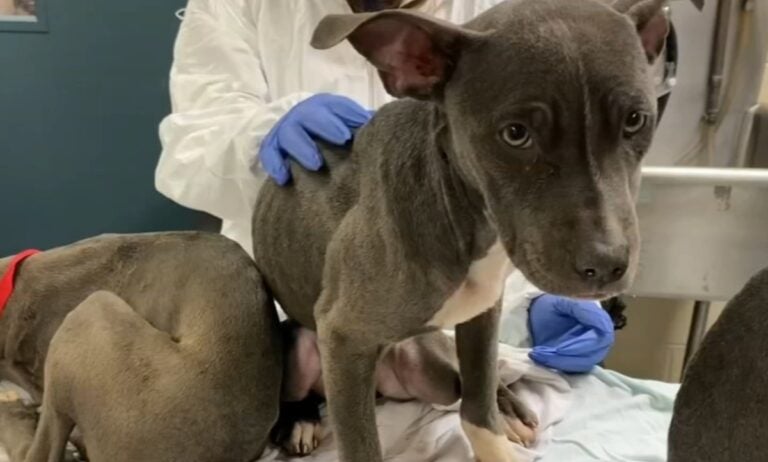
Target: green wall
<point x="79" y="109"/>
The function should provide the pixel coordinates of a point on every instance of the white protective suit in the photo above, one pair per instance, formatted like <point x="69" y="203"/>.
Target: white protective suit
<point x="239" y="66"/>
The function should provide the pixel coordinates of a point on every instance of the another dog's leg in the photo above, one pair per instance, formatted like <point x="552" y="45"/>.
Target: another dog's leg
<point x="476" y="345"/>
<point x="17" y="428"/>
<point x="27" y="440"/>
<point x="348" y="363"/>
<point x="51" y="436"/>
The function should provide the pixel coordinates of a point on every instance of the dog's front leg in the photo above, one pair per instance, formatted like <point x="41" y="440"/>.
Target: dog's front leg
<point x="348" y="361"/>
<point x="477" y="349"/>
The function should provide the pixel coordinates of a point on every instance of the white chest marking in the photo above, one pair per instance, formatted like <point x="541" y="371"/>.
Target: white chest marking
<point x="480" y="290"/>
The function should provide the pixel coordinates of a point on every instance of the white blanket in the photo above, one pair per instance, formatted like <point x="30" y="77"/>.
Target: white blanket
<point x="603" y="416"/>
<point x="600" y="417"/>
<point x="614" y="418"/>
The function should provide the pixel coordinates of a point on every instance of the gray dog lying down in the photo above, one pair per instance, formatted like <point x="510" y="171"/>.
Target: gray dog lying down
<point x="141" y="341"/>
<point x="520" y="144"/>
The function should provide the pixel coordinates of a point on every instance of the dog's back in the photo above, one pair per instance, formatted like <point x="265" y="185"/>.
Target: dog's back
<point x="721" y="409"/>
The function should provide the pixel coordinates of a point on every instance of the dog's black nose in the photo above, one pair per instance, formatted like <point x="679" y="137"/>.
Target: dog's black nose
<point x="603" y="264"/>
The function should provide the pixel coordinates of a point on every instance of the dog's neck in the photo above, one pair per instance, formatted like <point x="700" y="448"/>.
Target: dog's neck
<point x="461" y="198"/>
<point x="432" y="202"/>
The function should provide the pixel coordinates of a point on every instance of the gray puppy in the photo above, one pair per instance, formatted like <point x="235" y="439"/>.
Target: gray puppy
<point x="520" y="144"/>
<point x="158" y="347"/>
<point x="722" y="407"/>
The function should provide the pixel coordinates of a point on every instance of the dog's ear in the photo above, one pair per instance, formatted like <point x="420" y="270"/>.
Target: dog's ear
<point x="413" y="52"/>
<point x="651" y="20"/>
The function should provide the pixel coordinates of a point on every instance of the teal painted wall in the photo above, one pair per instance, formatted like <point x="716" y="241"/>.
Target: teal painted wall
<point x="79" y="109"/>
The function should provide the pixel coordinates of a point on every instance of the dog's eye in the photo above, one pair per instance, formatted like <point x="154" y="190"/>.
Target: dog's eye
<point x="517" y="136"/>
<point x="634" y="122"/>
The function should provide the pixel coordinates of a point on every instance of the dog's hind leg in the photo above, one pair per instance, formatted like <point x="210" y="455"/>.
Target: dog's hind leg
<point x="139" y="393"/>
<point x="298" y="429"/>
<point x="104" y="356"/>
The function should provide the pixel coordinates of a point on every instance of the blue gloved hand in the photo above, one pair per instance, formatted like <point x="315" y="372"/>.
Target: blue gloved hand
<point x="331" y="118"/>
<point x="569" y="335"/>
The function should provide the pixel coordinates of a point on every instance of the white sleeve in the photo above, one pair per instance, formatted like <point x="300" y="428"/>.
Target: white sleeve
<point x="221" y="110"/>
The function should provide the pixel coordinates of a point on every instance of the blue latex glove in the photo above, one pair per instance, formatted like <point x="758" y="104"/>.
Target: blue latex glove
<point x="569" y="335"/>
<point x="331" y="118"/>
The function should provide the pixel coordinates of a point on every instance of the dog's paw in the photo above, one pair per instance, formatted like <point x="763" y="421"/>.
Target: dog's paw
<point x="298" y="430"/>
<point x="17" y="410"/>
<point x="519" y="422"/>
<point x="305" y="438"/>
<point x="9" y="396"/>
<point x="517" y="432"/>
<point x="488" y="446"/>
<point x="18" y="422"/>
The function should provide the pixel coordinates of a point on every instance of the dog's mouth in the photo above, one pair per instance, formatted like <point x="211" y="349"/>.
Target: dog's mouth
<point x="575" y="293"/>
<point x="545" y="277"/>
<point x="596" y="295"/>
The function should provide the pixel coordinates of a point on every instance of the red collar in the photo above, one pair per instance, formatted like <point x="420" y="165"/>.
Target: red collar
<point x="6" y="282"/>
